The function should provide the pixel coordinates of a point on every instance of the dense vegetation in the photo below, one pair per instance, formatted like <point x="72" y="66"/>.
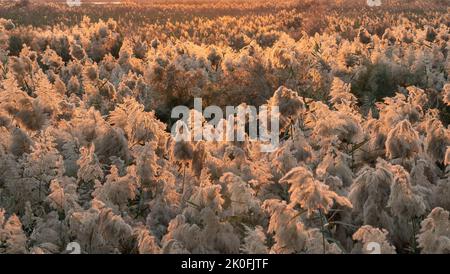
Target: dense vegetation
<point x="86" y="155"/>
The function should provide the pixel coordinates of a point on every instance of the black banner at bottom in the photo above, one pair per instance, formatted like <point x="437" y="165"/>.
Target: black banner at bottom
<point x="223" y="263"/>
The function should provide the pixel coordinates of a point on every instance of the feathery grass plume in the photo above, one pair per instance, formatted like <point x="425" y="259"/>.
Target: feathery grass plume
<point x="147" y="166"/>
<point x="117" y="190"/>
<point x="63" y="195"/>
<point x="26" y="110"/>
<point x="291" y="152"/>
<point x="11" y="95"/>
<point x="403" y="201"/>
<point x="31" y="116"/>
<point x="146" y="243"/>
<point x="234" y="156"/>
<point x="44" y="248"/>
<point x="44" y="163"/>
<point x="440" y="194"/>
<point x="254" y="241"/>
<point x="50" y="233"/>
<point x="5" y="119"/>
<point x="425" y="173"/>
<point x="23" y="68"/>
<point x="10" y="174"/>
<point x="437" y="140"/>
<point x="207" y="195"/>
<point x="110" y="143"/>
<point x="283" y="161"/>
<point x="128" y="60"/>
<point x="369" y="195"/>
<point x="301" y="146"/>
<point x="90" y="73"/>
<point x="315" y="244"/>
<point x="188" y="237"/>
<point x="73" y="86"/>
<point x="289" y="233"/>
<point x="336" y="163"/>
<point x="403" y="141"/>
<point x="12" y="238"/>
<point x="22" y="190"/>
<point x="161" y="212"/>
<point x="86" y="125"/>
<point x="396" y="109"/>
<point x="446" y="94"/>
<point x="139" y="126"/>
<point x="99" y="230"/>
<point x="289" y="104"/>
<point x="165" y="205"/>
<point x="417" y="97"/>
<point x="28" y="219"/>
<point x="69" y="149"/>
<point x="326" y="123"/>
<point x="364" y="36"/>
<point x="367" y="235"/>
<point x="89" y="166"/>
<point x="241" y="195"/>
<point x="199" y="157"/>
<point x="93" y="98"/>
<point x="48" y="99"/>
<point x="20" y="142"/>
<point x="108" y="90"/>
<point x="182" y="151"/>
<point x="140" y="49"/>
<point x="219" y="236"/>
<point x="236" y="161"/>
<point x="174" y="247"/>
<point x="52" y="60"/>
<point x="77" y="51"/>
<point x="374" y="147"/>
<point x="434" y="234"/>
<point x="155" y="43"/>
<point x="309" y="193"/>
<point x="7" y="24"/>
<point x="340" y="93"/>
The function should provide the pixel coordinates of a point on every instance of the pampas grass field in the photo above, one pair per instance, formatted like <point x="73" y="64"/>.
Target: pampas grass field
<point x="87" y="155"/>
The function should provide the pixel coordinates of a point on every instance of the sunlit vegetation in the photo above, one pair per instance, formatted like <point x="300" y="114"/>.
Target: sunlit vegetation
<point x="86" y="153"/>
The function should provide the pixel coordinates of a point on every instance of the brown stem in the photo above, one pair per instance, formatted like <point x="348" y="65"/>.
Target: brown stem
<point x="322" y="230"/>
<point x="184" y="177"/>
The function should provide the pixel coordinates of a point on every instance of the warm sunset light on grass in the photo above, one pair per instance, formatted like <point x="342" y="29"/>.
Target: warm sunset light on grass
<point x="121" y="130"/>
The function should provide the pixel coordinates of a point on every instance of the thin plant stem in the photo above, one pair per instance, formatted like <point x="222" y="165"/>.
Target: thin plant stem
<point x="184" y="177"/>
<point x="322" y="229"/>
